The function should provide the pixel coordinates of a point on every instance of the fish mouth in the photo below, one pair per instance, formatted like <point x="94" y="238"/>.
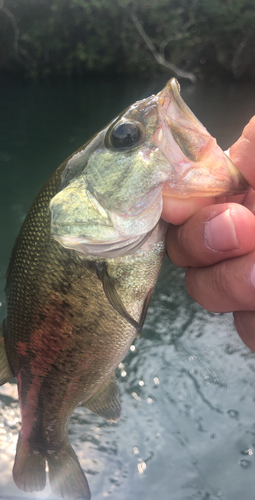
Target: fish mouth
<point x="199" y="166"/>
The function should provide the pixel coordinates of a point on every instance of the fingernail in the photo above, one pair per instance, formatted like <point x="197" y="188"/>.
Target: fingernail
<point x="220" y="233"/>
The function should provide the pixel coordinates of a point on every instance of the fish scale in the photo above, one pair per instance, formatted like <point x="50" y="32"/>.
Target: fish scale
<point x="83" y="269"/>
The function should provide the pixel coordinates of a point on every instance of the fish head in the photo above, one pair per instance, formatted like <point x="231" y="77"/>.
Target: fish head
<point x="110" y="197"/>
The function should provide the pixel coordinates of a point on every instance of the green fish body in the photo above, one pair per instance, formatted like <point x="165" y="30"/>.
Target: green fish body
<point x="83" y="270"/>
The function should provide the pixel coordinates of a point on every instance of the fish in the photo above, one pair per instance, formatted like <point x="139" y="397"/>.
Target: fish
<point x="83" y="269"/>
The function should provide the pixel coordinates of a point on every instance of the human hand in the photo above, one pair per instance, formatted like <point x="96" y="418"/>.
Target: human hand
<point x="216" y="243"/>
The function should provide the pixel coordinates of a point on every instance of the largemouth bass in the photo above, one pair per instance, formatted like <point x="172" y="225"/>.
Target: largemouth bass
<point x="83" y="270"/>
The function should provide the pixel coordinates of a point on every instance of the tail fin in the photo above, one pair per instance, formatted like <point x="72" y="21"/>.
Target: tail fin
<point x="29" y="468"/>
<point x="67" y="478"/>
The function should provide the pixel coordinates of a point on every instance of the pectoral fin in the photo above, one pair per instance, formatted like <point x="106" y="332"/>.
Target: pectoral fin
<point x="145" y="307"/>
<point x="115" y="300"/>
<point x="106" y="401"/>
<point x="5" y="370"/>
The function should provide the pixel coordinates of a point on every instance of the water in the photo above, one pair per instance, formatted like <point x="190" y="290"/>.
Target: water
<point x="187" y="429"/>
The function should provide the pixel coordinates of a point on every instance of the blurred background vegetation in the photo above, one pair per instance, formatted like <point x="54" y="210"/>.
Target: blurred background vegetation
<point x="208" y="38"/>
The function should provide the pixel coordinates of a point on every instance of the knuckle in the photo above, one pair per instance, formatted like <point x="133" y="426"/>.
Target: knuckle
<point x="191" y="283"/>
<point x="176" y="246"/>
<point x="220" y="279"/>
<point x="186" y="247"/>
<point x="228" y="285"/>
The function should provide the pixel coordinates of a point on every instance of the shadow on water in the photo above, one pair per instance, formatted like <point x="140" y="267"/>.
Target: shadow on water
<point x="187" y="429"/>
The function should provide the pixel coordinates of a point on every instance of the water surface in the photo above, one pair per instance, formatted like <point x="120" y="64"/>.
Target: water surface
<point x="187" y="429"/>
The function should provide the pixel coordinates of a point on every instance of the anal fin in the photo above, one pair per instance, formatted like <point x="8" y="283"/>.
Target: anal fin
<point x="5" y="370"/>
<point x="106" y="402"/>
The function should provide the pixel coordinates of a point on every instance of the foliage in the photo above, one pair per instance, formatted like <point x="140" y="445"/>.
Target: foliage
<point x="68" y="37"/>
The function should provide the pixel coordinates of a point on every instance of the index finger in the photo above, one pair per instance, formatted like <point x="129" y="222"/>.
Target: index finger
<point x="178" y="210"/>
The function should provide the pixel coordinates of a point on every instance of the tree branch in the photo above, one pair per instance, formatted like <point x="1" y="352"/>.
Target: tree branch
<point x="160" y="56"/>
<point x="14" y="25"/>
<point x="177" y="36"/>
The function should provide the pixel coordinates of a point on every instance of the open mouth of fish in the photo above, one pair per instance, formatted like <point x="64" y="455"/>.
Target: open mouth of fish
<point x="200" y="166"/>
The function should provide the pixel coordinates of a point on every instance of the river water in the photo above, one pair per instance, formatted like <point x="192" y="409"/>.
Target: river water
<point x="187" y="387"/>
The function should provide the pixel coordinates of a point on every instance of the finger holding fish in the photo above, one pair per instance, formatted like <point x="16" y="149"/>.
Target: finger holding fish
<point x="178" y="210"/>
<point x="224" y="287"/>
<point x="217" y="245"/>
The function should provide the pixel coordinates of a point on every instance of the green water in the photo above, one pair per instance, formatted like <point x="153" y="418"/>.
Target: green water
<point x="187" y="429"/>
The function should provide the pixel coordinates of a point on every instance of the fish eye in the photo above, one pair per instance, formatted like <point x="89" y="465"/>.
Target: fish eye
<point x="124" y="135"/>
